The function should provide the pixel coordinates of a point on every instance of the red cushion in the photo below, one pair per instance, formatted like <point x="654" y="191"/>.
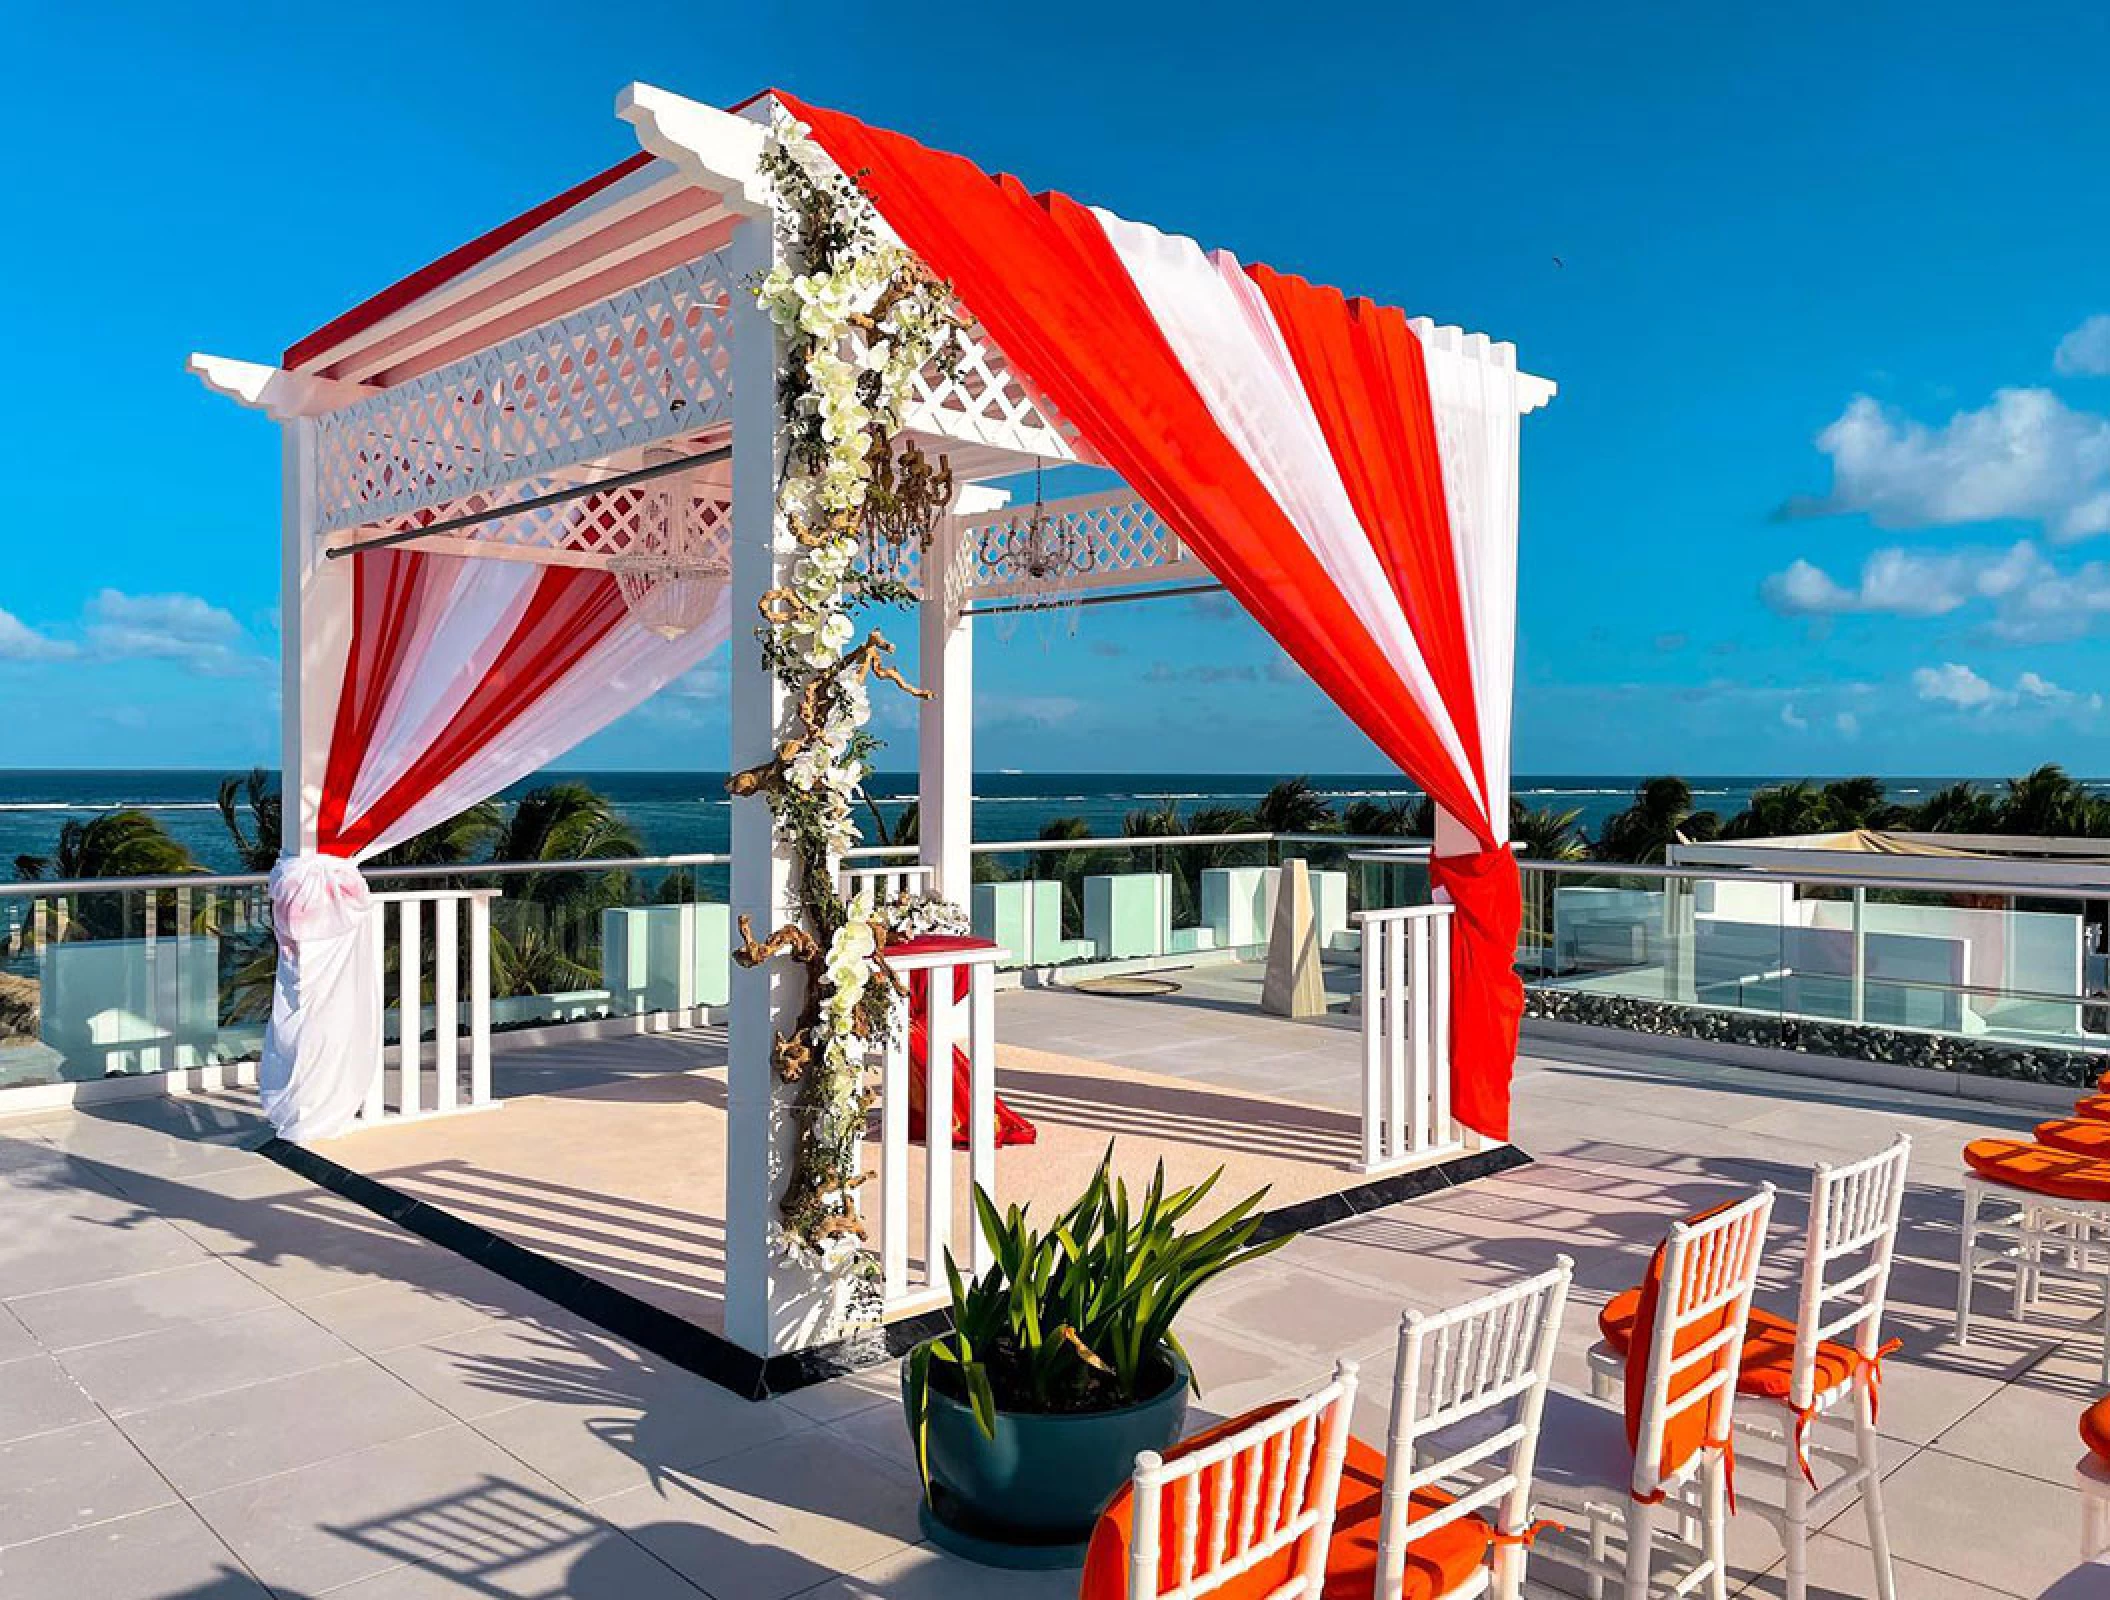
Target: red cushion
<point x="2025" y="1164"/>
<point x="2095" y="1429"/>
<point x="2095" y="1107"/>
<point x="1765" y="1366"/>
<point x="1436" y="1564"/>
<point x="2077" y="1136"/>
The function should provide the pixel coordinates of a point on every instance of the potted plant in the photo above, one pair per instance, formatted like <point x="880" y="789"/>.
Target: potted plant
<point x="1062" y="1362"/>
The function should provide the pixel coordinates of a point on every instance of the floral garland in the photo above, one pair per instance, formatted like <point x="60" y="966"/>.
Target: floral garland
<point x="862" y="317"/>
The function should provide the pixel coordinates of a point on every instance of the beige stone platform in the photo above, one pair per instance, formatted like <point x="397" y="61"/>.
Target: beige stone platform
<point x="623" y="1177"/>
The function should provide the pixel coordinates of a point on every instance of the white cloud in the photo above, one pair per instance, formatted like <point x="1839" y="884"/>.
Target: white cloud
<point x="2086" y="350"/>
<point x="1906" y="583"/>
<point x="1848" y="724"/>
<point x="169" y="627"/>
<point x="1955" y="685"/>
<point x="20" y="642"/>
<point x="1791" y="718"/>
<point x="2025" y="455"/>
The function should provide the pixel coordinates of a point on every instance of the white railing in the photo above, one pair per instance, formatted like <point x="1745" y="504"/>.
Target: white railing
<point x="411" y="913"/>
<point x="883" y="883"/>
<point x="949" y="1022"/>
<point x="1407" y="1037"/>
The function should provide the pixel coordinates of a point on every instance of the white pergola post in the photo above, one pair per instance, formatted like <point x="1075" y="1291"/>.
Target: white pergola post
<point x="945" y="722"/>
<point x="315" y="610"/>
<point x="764" y="1312"/>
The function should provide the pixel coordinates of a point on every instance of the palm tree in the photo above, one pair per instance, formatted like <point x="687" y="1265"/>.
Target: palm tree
<point x="256" y="842"/>
<point x="1957" y="808"/>
<point x="1391" y="819"/>
<point x="1294" y="806"/>
<point x="453" y="843"/>
<point x="1544" y="834"/>
<point x="1861" y="803"/>
<point x="1158" y="822"/>
<point x="1661" y="816"/>
<point x="1783" y="810"/>
<point x="116" y="844"/>
<point x="907" y="828"/>
<point x="551" y="920"/>
<point x="2047" y="803"/>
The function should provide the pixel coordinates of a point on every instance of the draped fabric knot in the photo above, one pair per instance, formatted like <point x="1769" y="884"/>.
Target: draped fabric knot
<point x="317" y="897"/>
<point x="323" y="1045"/>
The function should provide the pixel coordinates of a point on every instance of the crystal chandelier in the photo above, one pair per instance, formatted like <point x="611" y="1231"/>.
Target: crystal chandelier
<point x="671" y="575"/>
<point x="903" y="501"/>
<point x="1042" y="549"/>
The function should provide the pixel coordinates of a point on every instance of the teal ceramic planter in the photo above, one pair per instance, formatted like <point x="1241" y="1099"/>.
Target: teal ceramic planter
<point x="1042" y="1481"/>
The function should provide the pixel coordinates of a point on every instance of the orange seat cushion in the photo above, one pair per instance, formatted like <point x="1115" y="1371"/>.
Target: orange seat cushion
<point x="2095" y="1107"/>
<point x="2075" y="1135"/>
<point x="1766" y="1363"/>
<point x="1436" y="1564"/>
<point x="1685" y="1433"/>
<point x="2095" y="1429"/>
<point x="2025" y="1164"/>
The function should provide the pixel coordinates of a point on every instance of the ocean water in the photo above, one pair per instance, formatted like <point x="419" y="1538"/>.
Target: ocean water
<point x="679" y="812"/>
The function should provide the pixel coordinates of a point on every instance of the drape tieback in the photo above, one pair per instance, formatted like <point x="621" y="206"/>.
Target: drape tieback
<point x="317" y="896"/>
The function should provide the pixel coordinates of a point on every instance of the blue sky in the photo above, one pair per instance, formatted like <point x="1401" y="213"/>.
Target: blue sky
<point x="1827" y="487"/>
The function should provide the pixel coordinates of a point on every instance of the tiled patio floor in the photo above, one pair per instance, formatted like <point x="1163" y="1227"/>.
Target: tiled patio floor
<point x="216" y="1381"/>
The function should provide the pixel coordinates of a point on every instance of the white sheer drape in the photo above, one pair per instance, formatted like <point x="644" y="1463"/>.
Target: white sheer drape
<point x="324" y="1043"/>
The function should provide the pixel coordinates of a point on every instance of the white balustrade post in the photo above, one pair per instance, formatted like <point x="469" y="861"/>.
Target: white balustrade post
<point x="377" y="952"/>
<point x="1441" y="1127"/>
<point x="1374" y="933"/>
<point x="446" y="1055"/>
<point x="981" y="1100"/>
<point x="940" y="1018"/>
<point x="1396" y="1067"/>
<point x="410" y="1006"/>
<point x="480" y="999"/>
<point x="893" y="1155"/>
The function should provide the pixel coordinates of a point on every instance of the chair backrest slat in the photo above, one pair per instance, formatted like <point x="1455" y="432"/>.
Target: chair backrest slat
<point x="1847" y="1249"/>
<point x="1489" y="1357"/>
<point x="1285" y="1473"/>
<point x="1709" y="1272"/>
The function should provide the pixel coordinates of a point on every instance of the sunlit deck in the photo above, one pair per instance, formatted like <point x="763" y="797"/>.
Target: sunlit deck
<point x="608" y="1156"/>
<point x="217" y="1376"/>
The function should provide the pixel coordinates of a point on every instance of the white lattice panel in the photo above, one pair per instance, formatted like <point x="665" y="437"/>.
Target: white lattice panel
<point x="644" y="365"/>
<point x="984" y="403"/>
<point x="580" y="533"/>
<point x="1131" y="548"/>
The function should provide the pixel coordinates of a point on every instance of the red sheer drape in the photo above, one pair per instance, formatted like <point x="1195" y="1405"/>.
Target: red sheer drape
<point x="1043" y="279"/>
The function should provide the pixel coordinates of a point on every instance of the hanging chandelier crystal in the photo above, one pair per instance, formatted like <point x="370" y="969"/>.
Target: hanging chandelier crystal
<point x="1041" y="550"/>
<point x="671" y="576"/>
<point x="904" y="498"/>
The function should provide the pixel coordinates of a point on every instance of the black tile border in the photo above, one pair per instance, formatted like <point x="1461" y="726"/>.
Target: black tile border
<point x="715" y="1357"/>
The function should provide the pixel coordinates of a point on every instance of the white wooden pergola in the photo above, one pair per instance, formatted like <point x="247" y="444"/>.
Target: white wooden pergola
<point x="546" y="359"/>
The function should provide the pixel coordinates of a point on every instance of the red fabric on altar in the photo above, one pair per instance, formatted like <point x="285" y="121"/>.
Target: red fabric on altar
<point x="1011" y="1128"/>
<point x="1054" y="293"/>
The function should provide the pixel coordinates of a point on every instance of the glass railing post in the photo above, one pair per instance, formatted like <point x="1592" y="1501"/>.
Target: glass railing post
<point x="1860" y="955"/>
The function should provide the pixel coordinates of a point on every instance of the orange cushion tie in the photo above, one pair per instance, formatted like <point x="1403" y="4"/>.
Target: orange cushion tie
<point x="1727" y="1445"/>
<point x="1529" y="1536"/>
<point x="1868" y="1367"/>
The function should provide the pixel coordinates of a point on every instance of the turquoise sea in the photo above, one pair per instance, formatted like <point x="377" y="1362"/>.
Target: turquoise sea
<point x="678" y="812"/>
